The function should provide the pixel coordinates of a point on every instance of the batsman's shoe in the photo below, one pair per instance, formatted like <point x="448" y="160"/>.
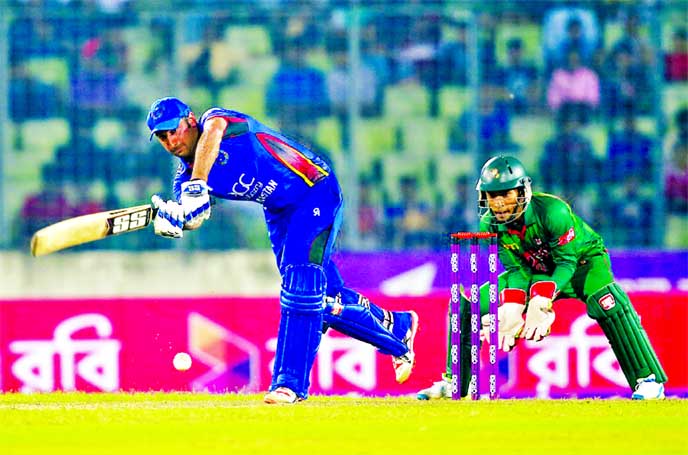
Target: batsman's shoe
<point x="648" y="389"/>
<point x="438" y="390"/>
<point x="281" y="395"/>
<point x="403" y="365"/>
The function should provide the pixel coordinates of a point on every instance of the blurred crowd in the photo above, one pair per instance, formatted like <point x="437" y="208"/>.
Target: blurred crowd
<point x="591" y="96"/>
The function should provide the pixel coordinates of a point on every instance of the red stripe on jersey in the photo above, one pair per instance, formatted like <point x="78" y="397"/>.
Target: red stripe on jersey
<point x="299" y="163"/>
<point x="230" y="118"/>
<point x="567" y="237"/>
<point x="236" y="126"/>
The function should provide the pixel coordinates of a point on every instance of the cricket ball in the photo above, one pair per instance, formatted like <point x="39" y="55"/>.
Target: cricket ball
<point x="181" y="361"/>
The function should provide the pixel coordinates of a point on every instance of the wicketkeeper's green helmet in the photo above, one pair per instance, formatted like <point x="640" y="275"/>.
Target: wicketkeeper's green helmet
<point x="503" y="173"/>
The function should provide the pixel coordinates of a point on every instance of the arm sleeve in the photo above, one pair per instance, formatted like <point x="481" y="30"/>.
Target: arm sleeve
<point x="517" y="273"/>
<point x="561" y="224"/>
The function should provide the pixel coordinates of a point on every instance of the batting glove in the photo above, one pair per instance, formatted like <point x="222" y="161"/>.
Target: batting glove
<point x="169" y="221"/>
<point x="540" y="315"/>
<point x="196" y="202"/>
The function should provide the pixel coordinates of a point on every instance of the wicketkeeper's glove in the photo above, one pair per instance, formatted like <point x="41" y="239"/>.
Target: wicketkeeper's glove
<point x="169" y="221"/>
<point x="510" y="317"/>
<point x="540" y="315"/>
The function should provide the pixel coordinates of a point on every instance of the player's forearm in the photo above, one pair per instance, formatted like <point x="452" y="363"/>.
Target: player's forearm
<point x="562" y="275"/>
<point x="207" y="150"/>
<point x="208" y="147"/>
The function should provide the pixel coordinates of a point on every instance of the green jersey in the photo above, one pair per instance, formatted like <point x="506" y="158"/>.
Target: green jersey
<point x="551" y="244"/>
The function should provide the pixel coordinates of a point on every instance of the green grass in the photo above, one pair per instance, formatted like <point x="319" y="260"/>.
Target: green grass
<point x="158" y="423"/>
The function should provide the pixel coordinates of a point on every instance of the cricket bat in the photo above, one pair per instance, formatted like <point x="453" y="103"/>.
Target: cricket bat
<point x="87" y="228"/>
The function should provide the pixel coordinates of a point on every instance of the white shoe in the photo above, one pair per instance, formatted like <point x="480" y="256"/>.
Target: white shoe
<point x="403" y="365"/>
<point x="440" y="389"/>
<point x="281" y="395"/>
<point x="648" y="389"/>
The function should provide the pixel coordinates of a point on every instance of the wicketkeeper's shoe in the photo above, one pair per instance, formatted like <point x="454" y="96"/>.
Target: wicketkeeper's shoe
<point x="281" y="395"/>
<point x="403" y="365"/>
<point x="648" y="389"/>
<point x="439" y="389"/>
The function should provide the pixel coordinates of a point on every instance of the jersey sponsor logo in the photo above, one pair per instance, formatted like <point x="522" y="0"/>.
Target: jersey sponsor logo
<point x="247" y="188"/>
<point x="222" y="158"/>
<point x="567" y="237"/>
<point x="241" y="188"/>
<point x="607" y="302"/>
<point x="539" y="259"/>
<point x="510" y="246"/>
<point x="267" y="191"/>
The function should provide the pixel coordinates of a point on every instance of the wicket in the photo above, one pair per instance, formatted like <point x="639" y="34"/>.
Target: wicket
<point x="474" y="238"/>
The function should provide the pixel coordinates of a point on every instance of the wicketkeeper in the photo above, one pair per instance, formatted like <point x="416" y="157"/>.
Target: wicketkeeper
<point x="550" y="253"/>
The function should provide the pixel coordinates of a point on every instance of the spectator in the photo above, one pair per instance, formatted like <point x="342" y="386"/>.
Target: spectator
<point x="452" y="56"/>
<point x="296" y="93"/>
<point x="639" y="47"/>
<point x="202" y="73"/>
<point x="160" y="55"/>
<point x="30" y="98"/>
<point x="567" y="28"/>
<point x="676" y="183"/>
<point x="461" y="215"/>
<point x="629" y="208"/>
<point x="676" y="60"/>
<point x="416" y="216"/>
<point x="625" y="84"/>
<point x="47" y="206"/>
<point x="568" y="165"/>
<point x="97" y="80"/>
<point x="418" y="57"/>
<point x="369" y="214"/>
<point x="574" y="84"/>
<point x="630" y="151"/>
<point x="81" y="158"/>
<point x="85" y="197"/>
<point x="33" y="33"/>
<point x="488" y="24"/>
<point x="681" y="122"/>
<point x="408" y="220"/>
<point x="374" y="55"/>
<point x="136" y="160"/>
<point x="394" y="28"/>
<point x="303" y="20"/>
<point x="339" y="86"/>
<point x="493" y="130"/>
<point x="676" y="171"/>
<point x="520" y="79"/>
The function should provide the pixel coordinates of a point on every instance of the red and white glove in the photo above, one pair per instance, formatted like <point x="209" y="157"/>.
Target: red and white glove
<point x="540" y="315"/>
<point x="510" y="317"/>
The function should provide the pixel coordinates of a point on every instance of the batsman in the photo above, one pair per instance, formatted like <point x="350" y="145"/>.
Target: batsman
<point x="549" y="253"/>
<point x="230" y="155"/>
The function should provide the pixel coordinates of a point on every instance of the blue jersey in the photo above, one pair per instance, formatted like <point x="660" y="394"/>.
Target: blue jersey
<point x="301" y="197"/>
<point x="256" y="163"/>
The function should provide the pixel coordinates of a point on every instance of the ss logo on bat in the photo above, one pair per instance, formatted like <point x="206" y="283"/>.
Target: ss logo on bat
<point x="129" y="222"/>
